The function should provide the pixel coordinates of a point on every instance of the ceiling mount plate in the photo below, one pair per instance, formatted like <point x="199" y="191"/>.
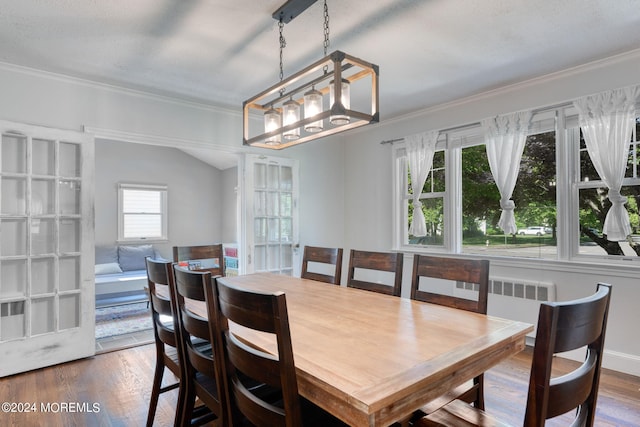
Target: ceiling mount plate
<point x="291" y="9"/>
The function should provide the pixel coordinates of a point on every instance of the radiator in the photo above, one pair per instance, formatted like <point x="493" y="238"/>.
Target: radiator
<point x="514" y="299"/>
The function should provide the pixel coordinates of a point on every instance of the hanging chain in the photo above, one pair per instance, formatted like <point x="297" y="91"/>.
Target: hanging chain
<point x="326" y="27"/>
<point x="283" y="44"/>
<point x="326" y="34"/>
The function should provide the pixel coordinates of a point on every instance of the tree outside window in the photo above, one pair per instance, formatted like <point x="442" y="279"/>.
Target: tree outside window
<point x="534" y="196"/>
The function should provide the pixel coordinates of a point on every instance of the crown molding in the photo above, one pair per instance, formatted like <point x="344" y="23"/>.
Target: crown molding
<point x="140" y="93"/>
<point x="163" y="141"/>
<point x="514" y="87"/>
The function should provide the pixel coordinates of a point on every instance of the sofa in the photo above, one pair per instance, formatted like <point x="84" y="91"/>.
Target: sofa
<point x="121" y="275"/>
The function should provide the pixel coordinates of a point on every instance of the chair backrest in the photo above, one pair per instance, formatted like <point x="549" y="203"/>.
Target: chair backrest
<point x="193" y="330"/>
<point x="249" y="365"/>
<point x="566" y="326"/>
<point x="207" y="255"/>
<point x="331" y="256"/>
<point x="160" y="274"/>
<point x="379" y="261"/>
<point x="454" y="269"/>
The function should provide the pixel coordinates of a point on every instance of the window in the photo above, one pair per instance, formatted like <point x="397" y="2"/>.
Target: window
<point x="534" y="196"/>
<point x="560" y="200"/>
<point x="593" y="203"/>
<point x="432" y="199"/>
<point x="142" y="212"/>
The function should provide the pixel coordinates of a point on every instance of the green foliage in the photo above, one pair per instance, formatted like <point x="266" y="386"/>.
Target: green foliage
<point x="534" y="194"/>
<point x="481" y="199"/>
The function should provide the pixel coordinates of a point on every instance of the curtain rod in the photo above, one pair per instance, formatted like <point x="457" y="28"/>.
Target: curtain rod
<point x="469" y="125"/>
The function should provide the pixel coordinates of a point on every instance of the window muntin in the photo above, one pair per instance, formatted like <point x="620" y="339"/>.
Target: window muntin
<point x="142" y="212"/>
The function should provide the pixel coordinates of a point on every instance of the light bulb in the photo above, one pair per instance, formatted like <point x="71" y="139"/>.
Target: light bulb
<point x="345" y="100"/>
<point x="272" y="121"/>
<point x="313" y="106"/>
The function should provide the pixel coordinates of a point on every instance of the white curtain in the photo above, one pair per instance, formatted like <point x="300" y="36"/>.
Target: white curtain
<point x="607" y="122"/>
<point x="504" y="138"/>
<point x="420" y="150"/>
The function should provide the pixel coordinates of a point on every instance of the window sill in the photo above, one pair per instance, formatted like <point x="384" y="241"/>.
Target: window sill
<point x="626" y="267"/>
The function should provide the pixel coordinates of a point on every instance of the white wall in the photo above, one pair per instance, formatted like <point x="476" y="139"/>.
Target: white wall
<point x="229" y="205"/>
<point x="322" y="182"/>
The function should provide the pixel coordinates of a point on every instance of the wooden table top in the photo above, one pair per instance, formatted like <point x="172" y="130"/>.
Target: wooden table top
<point x="372" y="359"/>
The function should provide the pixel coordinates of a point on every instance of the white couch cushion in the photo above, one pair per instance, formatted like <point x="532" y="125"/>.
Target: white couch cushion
<point x="108" y="268"/>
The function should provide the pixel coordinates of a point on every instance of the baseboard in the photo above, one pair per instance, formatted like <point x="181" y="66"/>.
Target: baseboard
<point x="120" y="298"/>
<point x="614" y="360"/>
<point x="622" y="362"/>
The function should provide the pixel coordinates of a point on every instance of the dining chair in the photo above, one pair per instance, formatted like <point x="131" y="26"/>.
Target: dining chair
<point x="364" y="262"/>
<point x="469" y="273"/>
<point x="326" y="264"/>
<point x="200" y="356"/>
<point x="562" y="326"/>
<point x="276" y="402"/>
<point x="205" y="254"/>
<point x="159" y="274"/>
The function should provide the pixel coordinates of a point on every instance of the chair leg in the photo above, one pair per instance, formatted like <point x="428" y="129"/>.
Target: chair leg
<point x="180" y="404"/>
<point x="155" y="391"/>
<point x="189" y="401"/>
<point x="478" y="382"/>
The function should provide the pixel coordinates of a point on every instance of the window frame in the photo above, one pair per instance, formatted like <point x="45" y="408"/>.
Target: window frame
<point x="163" y="190"/>
<point x="563" y="119"/>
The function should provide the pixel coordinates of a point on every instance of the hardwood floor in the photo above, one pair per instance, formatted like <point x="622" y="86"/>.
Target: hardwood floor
<point x="506" y="393"/>
<point x="112" y="389"/>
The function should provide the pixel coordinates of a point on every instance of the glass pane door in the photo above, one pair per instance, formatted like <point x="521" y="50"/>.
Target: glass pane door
<point x="271" y="207"/>
<point x="46" y="285"/>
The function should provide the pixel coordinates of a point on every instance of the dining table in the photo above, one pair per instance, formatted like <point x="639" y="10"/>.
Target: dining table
<point x="372" y="359"/>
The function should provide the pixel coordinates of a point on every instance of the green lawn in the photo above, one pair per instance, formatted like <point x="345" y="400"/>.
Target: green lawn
<point x="517" y="240"/>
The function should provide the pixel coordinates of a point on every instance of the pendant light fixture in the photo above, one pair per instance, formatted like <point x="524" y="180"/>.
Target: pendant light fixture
<point x="284" y="124"/>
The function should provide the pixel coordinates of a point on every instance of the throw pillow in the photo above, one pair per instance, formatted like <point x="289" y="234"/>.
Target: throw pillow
<point x="132" y="257"/>
<point x="107" y="254"/>
<point x="109" y="268"/>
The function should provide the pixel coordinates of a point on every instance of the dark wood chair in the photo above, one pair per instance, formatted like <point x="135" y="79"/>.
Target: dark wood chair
<point x="330" y="256"/>
<point x="475" y="272"/>
<point x="200" y="355"/>
<point x="276" y="401"/>
<point x="378" y="261"/>
<point x="160" y="274"/>
<point x="562" y="327"/>
<point x="211" y="253"/>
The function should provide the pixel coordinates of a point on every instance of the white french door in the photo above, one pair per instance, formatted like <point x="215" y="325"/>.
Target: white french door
<point x="270" y="210"/>
<point x="46" y="251"/>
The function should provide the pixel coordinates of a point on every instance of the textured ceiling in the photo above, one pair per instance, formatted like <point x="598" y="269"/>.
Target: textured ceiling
<point x="221" y="52"/>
